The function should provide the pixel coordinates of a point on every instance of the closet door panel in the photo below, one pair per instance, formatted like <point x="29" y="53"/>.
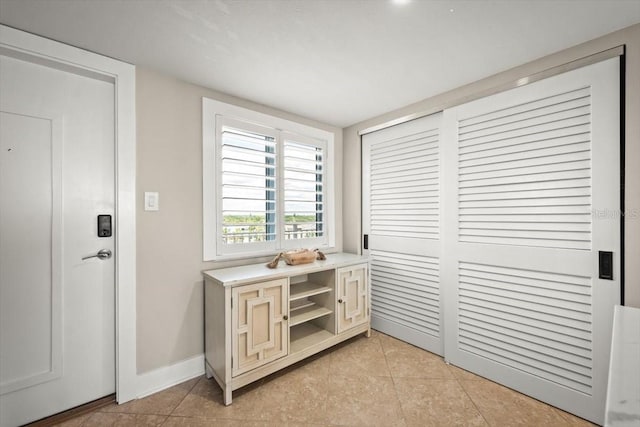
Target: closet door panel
<point x="532" y="195"/>
<point x="401" y="217"/>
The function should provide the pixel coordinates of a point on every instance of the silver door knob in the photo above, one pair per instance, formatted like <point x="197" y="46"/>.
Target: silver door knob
<point x="102" y="254"/>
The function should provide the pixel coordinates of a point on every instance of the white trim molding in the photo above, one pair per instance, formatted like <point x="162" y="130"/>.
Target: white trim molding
<point x="162" y="378"/>
<point x="39" y="50"/>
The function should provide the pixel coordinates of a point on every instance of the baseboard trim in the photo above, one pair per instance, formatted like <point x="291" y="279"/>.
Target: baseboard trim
<point x="168" y="376"/>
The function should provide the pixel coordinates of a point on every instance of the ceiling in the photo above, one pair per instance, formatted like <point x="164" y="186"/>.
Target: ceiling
<point x="335" y="61"/>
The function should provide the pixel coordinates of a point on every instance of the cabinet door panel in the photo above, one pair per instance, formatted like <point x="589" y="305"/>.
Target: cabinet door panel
<point x="260" y="332"/>
<point x="352" y="297"/>
<point x="260" y="324"/>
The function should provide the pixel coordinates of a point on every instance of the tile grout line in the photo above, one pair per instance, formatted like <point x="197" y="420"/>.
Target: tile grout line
<point x="182" y="400"/>
<point x="393" y="380"/>
<point x="470" y="398"/>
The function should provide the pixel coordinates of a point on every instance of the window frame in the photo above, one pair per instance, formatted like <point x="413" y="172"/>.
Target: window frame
<point x="214" y="114"/>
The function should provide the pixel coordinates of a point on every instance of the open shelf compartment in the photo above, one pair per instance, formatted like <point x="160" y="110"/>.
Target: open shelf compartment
<point x="306" y="289"/>
<point x="307" y="313"/>
<point x="307" y="335"/>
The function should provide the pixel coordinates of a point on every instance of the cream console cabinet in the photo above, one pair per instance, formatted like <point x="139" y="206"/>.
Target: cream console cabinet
<point x="260" y="320"/>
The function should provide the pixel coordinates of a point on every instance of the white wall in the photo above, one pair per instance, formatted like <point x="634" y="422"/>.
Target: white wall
<point x="630" y="37"/>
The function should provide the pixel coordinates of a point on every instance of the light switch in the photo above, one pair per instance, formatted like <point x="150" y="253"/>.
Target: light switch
<point x="151" y="201"/>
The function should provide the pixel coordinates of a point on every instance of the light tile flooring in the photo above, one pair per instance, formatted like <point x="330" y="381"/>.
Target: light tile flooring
<point x="377" y="381"/>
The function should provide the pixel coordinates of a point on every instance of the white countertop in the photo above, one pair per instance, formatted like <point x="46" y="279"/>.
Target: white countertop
<point x="623" y="391"/>
<point x="234" y="276"/>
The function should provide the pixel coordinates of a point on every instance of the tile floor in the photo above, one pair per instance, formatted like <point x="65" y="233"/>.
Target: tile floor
<point x="377" y="381"/>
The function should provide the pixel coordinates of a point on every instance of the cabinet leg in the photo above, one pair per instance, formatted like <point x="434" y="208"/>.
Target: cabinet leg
<point x="368" y="333"/>
<point x="227" y="395"/>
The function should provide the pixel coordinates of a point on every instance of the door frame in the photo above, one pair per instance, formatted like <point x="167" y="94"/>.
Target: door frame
<point x="25" y="46"/>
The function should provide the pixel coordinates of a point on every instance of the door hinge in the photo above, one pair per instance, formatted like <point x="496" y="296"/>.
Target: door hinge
<point x="366" y="241"/>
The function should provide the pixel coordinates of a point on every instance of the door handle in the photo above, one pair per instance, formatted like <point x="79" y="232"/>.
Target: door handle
<point x="605" y="265"/>
<point x="102" y="254"/>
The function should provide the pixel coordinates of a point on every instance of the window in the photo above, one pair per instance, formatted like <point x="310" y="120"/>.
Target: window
<point x="303" y="189"/>
<point x="247" y="165"/>
<point x="267" y="183"/>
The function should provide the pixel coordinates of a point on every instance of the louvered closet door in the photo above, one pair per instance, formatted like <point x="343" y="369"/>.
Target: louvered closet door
<point x="532" y="194"/>
<point x="401" y="216"/>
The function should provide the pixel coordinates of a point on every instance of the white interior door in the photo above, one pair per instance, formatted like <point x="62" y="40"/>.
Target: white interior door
<point x="533" y="178"/>
<point x="401" y="218"/>
<point x="57" y="343"/>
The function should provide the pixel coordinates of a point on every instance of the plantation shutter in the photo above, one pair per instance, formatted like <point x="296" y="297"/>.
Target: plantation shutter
<point x="268" y="184"/>
<point x="272" y="189"/>
<point x="248" y="184"/>
<point x="304" y="197"/>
